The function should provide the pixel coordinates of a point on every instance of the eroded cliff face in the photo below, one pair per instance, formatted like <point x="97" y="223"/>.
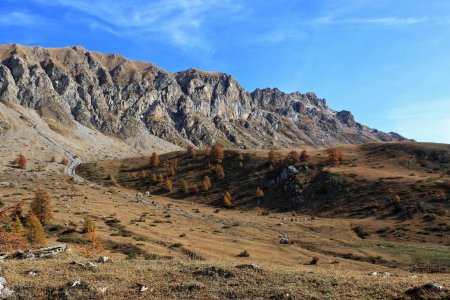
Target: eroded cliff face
<point x="121" y="97"/>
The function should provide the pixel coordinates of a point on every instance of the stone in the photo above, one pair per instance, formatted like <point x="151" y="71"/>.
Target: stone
<point x="36" y="253"/>
<point x="428" y="291"/>
<point x="252" y="267"/>
<point x="103" y="259"/>
<point x="5" y="291"/>
<point x="381" y="274"/>
<point x="143" y="288"/>
<point x="284" y="241"/>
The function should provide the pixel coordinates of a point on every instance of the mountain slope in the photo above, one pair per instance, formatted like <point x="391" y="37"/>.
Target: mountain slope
<point x="124" y="98"/>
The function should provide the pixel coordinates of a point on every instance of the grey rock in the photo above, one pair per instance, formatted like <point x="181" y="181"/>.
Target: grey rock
<point x="252" y="267"/>
<point x="46" y="252"/>
<point x="103" y="259"/>
<point x="284" y="241"/>
<point x="5" y="291"/>
<point x="381" y="274"/>
<point x="121" y="97"/>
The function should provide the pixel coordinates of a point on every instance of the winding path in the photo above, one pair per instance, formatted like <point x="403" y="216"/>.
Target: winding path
<point x="74" y="161"/>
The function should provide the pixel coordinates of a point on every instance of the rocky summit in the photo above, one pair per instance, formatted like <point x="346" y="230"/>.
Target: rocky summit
<point x="123" y="98"/>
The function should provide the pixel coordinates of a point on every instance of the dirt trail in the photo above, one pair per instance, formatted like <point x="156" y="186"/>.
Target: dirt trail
<point x="74" y="161"/>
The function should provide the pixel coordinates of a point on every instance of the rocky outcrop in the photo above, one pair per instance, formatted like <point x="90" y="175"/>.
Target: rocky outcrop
<point x="35" y="253"/>
<point x="121" y="97"/>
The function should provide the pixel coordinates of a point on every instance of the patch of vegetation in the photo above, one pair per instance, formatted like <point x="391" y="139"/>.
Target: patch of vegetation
<point x="244" y="254"/>
<point x="72" y="239"/>
<point x="361" y="232"/>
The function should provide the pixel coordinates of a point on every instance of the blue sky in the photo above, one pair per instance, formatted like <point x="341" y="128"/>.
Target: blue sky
<point x="387" y="61"/>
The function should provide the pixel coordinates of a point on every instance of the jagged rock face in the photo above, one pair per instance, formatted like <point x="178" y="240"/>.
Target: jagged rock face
<point x="120" y="97"/>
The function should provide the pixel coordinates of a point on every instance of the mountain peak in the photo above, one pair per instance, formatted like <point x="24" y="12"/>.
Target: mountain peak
<point x="123" y="97"/>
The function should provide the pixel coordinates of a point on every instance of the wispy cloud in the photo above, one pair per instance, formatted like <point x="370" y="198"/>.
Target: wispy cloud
<point x="387" y="21"/>
<point x="299" y="28"/>
<point x="16" y="18"/>
<point x="183" y="23"/>
<point x="425" y="120"/>
<point x="280" y="35"/>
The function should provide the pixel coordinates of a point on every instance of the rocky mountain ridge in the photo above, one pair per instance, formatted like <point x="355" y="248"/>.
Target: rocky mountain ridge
<point x="123" y="98"/>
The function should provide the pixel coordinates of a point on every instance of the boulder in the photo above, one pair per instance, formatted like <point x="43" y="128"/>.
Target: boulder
<point x="5" y="291"/>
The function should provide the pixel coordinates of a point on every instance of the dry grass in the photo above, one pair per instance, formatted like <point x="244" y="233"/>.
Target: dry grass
<point x="140" y="234"/>
<point x="191" y="279"/>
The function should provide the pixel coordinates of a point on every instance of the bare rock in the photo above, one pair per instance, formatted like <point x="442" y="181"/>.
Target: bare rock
<point x="284" y="241"/>
<point x="5" y="291"/>
<point x="120" y="97"/>
<point x="428" y="291"/>
<point x="46" y="252"/>
<point x="214" y="271"/>
<point x="103" y="259"/>
<point x="252" y="267"/>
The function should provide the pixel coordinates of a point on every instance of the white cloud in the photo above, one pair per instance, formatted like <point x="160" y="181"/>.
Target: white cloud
<point x="280" y="35"/>
<point x="16" y="18"/>
<point x="387" y="21"/>
<point x="182" y="22"/>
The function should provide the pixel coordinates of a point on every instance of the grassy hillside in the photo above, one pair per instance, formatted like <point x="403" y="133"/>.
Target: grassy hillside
<point x="405" y="182"/>
<point x="181" y="244"/>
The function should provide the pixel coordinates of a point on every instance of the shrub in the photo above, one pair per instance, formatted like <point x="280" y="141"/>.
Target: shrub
<point x="35" y="233"/>
<point x="207" y="150"/>
<point x="154" y="160"/>
<point x="10" y="241"/>
<point x="169" y="185"/>
<point x="185" y="186"/>
<point x="41" y="206"/>
<point x="95" y="245"/>
<point x="195" y="188"/>
<point x="176" y="245"/>
<point x="153" y="178"/>
<point x="397" y="199"/>
<point x="160" y="178"/>
<point x="219" y="171"/>
<point x="441" y="195"/>
<point x="227" y="200"/>
<point x="361" y="232"/>
<point x="335" y="155"/>
<point x="314" y="260"/>
<point x="65" y="161"/>
<point x="72" y="239"/>
<point x="272" y="157"/>
<point x="304" y="157"/>
<point x="17" y="228"/>
<point x="244" y="254"/>
<point x="294" y="156"/>
<point x="172" y="171"/>
<point x="206" y="183"/>
<point x="259" y="193"/>
<point x="88" y="224"/>
<point x="217" y="153"/>
<point x="192" y="151"/>
<point x="21" y="161"/>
